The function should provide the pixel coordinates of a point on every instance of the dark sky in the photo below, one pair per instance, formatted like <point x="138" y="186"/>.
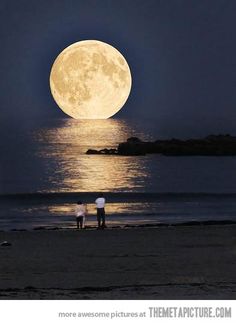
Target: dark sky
<point x="182" y="56"/>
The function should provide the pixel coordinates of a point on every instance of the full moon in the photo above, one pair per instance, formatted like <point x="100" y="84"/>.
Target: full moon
<point x="90" y="80"/>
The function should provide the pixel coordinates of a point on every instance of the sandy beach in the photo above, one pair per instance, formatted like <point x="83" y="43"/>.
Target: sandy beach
<point x="175" y="262"/>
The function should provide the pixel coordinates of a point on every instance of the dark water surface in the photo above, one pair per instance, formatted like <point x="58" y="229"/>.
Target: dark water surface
<point x="52" y="159"/>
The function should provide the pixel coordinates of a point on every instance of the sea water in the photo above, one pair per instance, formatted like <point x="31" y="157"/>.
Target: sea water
<point x="52" y="159"/>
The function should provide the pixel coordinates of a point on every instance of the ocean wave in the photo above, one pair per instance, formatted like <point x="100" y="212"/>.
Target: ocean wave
<point x="63" y="197"/>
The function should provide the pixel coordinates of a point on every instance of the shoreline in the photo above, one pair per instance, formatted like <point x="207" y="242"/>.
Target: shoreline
<point x="126" y="226"/>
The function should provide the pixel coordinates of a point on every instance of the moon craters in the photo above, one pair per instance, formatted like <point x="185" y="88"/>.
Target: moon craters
<point x="90" y="79"/>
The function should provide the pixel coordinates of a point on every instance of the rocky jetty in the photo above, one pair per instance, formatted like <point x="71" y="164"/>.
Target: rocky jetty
<point x="212" y="145"/>
<point x="103" y="151"/>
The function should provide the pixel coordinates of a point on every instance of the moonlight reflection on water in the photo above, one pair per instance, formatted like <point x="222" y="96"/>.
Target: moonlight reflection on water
<point x="67" y="144"/>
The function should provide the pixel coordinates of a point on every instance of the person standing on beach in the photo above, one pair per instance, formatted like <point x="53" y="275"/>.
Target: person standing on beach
<point x="80" y="212"/>
<point x="100" y="204"/>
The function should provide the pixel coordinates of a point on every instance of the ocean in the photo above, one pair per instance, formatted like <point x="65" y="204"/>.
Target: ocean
<point x="41" y="184"/>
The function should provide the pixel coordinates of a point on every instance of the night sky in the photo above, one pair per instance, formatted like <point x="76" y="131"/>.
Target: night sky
<point x="182" y="56"/>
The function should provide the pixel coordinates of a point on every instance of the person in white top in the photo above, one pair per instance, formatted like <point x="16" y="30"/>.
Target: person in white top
<point x="80" y="212"/>
<point x="100" y="204"/>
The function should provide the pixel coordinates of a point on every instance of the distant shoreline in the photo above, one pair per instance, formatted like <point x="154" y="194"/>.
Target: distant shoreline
<point x="212" y="145"/>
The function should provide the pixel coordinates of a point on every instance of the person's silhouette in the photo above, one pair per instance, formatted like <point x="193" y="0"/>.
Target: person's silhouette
<point x="100" y="203"/>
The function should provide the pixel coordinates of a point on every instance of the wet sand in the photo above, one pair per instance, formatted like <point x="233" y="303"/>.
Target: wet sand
<point x="175" y="262"/>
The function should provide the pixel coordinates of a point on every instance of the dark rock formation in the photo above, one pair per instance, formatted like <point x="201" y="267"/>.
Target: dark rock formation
<point x="218" y="145"/>
<point x="132" y="148"/>
<point x="134" y="140"/>
<point x="90" y="151"/>
<point x="103" y="151"/>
